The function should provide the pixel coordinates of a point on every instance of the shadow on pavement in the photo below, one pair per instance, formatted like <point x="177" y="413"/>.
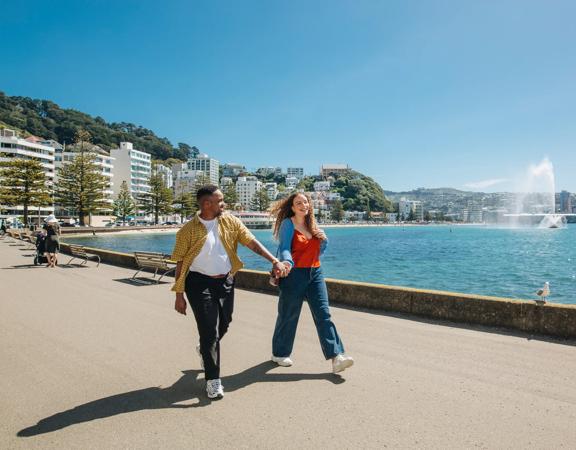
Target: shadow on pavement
<point x="259" y="374"/>
<point x="188" y="387"/>
<point x="140" y="281"/>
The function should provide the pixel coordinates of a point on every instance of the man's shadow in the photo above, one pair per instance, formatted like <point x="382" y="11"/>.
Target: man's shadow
<point x="185" y="389"/>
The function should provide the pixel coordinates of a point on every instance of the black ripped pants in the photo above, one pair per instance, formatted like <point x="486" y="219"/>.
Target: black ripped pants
<point x="212" y="301"/>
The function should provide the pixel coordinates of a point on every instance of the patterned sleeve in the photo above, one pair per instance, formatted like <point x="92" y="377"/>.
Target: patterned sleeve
<point x="182" y="245"/>
<point x="245" y="236"/>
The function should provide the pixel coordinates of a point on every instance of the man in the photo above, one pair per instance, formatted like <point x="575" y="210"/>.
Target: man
<point x="207" y="260"/>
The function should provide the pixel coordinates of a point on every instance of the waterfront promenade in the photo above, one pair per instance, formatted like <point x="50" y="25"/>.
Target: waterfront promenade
<point x="89" y="360"/>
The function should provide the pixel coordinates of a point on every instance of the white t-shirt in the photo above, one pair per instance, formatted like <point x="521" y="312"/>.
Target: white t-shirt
<point x="212" y="259"/>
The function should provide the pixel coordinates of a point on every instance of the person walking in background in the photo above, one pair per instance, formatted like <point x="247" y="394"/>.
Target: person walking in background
<point x="52" y="240"/>
<point x="207" y="260"/>
<point x="301" y="244"/>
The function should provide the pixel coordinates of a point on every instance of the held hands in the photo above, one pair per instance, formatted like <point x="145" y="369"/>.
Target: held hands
<point x="281" y="269"/>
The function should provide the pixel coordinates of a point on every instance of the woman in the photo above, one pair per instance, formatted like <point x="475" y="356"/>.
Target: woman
<point x="301" y="244"/>
<point x="52" y="240"/>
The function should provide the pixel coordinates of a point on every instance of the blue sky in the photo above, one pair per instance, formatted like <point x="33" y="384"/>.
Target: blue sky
<point x="465" y="94"/>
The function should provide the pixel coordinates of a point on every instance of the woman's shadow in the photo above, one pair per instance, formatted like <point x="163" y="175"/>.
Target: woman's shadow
<point x="186" y="388"/>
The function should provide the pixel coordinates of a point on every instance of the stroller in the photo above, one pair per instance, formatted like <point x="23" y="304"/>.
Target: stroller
<point x="39" y="257"/>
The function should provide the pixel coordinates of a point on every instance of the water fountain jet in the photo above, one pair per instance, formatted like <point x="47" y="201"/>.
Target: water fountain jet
<point x="536" y="205"/>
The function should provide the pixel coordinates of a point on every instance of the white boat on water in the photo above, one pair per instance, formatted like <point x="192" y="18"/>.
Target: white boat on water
<point x="255" y="219"/>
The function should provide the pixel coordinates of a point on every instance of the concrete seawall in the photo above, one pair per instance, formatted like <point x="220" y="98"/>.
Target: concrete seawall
<point x="550" y="319"/>
<point x="100" y="230"/>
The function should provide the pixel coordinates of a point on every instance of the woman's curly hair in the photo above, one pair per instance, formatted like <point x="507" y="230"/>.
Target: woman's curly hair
<point x="282" y="209"/>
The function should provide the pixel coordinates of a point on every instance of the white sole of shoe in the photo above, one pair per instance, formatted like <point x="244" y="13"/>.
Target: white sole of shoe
<point x="281" y="362"/>
<point x="343" y="366"/>
<point x="215" y="396"/>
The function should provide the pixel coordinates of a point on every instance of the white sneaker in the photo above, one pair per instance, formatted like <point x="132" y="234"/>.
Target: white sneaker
<point x="341" y="362"/>
<point x="214" y="388"/>
<point x="283" y="361"/>
<point x="200" y="356"/>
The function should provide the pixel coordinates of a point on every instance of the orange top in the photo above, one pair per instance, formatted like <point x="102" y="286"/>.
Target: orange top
<point x="305" y="252"/>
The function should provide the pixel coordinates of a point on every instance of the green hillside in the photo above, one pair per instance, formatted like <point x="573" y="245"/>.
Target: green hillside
<point x="46" y="119"/>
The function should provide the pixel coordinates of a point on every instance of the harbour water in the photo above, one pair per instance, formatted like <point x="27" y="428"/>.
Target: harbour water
<point x="501" y="262"/>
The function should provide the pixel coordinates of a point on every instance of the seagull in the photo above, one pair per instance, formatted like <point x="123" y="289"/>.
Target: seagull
<point x="544" y="292"/>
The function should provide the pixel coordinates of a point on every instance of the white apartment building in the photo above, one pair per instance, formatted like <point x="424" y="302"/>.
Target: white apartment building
<point x="166" y="173"/>
<point x="246" y="188"/>
<point x="226" y="182"/>
<point x="132" y="166"/>
<point x="271" y="190"/>
<point x="291" y="182"/>
<point x="354" y="215"/>
<point x="475" y="214"/>
<point x="186" y="180"/>
<point x="297" y="172"/>
<point x="321" y="186"/>
<point x="265" y="171"/>
<point x="103" y="161"/>
<point x="14" y="147"/>
<point x="232" y="170"/>
<point x="208" y="165"/>
<point x="405" y="207"/>
<point x="318" y="201"/>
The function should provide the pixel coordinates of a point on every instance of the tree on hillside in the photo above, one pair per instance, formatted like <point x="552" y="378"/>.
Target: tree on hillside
<point x="23" y="182"/>
<point x="159" y="200"/>
<point x="185" y="201"/>
<point x="368" y="210"/>
<point x="45" y="118"/>
<point x="187" y="150"/>
<point x="230" y="195"/>
<point x="337" y="211"/>
<point x="358" y="190"/>
<point x="260" y="201"/>
<point x="170" y="162"/>
<point x="185" y="205"/>
<point x="124" y="204"/>
<point x="81" y="184"/>
<point x="306" y="183"/>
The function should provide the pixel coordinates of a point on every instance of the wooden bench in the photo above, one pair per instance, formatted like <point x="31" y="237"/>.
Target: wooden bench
<point x="15" y="235"/>
<point x="152" y="261"/>
<point x="79" y="252"/>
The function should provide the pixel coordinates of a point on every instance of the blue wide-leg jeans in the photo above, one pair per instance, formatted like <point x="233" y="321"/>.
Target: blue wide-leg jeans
<point x="304" y="283"/>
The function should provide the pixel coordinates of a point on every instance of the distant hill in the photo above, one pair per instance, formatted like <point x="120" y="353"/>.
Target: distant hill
<point x="359" y="190"/>
<point x="430" y="191"/>
<point x="46" y="119"/>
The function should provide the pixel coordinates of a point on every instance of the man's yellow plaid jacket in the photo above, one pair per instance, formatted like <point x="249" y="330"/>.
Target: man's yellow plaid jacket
<point x="192" y="236"/>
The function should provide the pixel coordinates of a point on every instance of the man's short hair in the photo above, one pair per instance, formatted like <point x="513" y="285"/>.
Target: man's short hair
<point x="206" y="190"/>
